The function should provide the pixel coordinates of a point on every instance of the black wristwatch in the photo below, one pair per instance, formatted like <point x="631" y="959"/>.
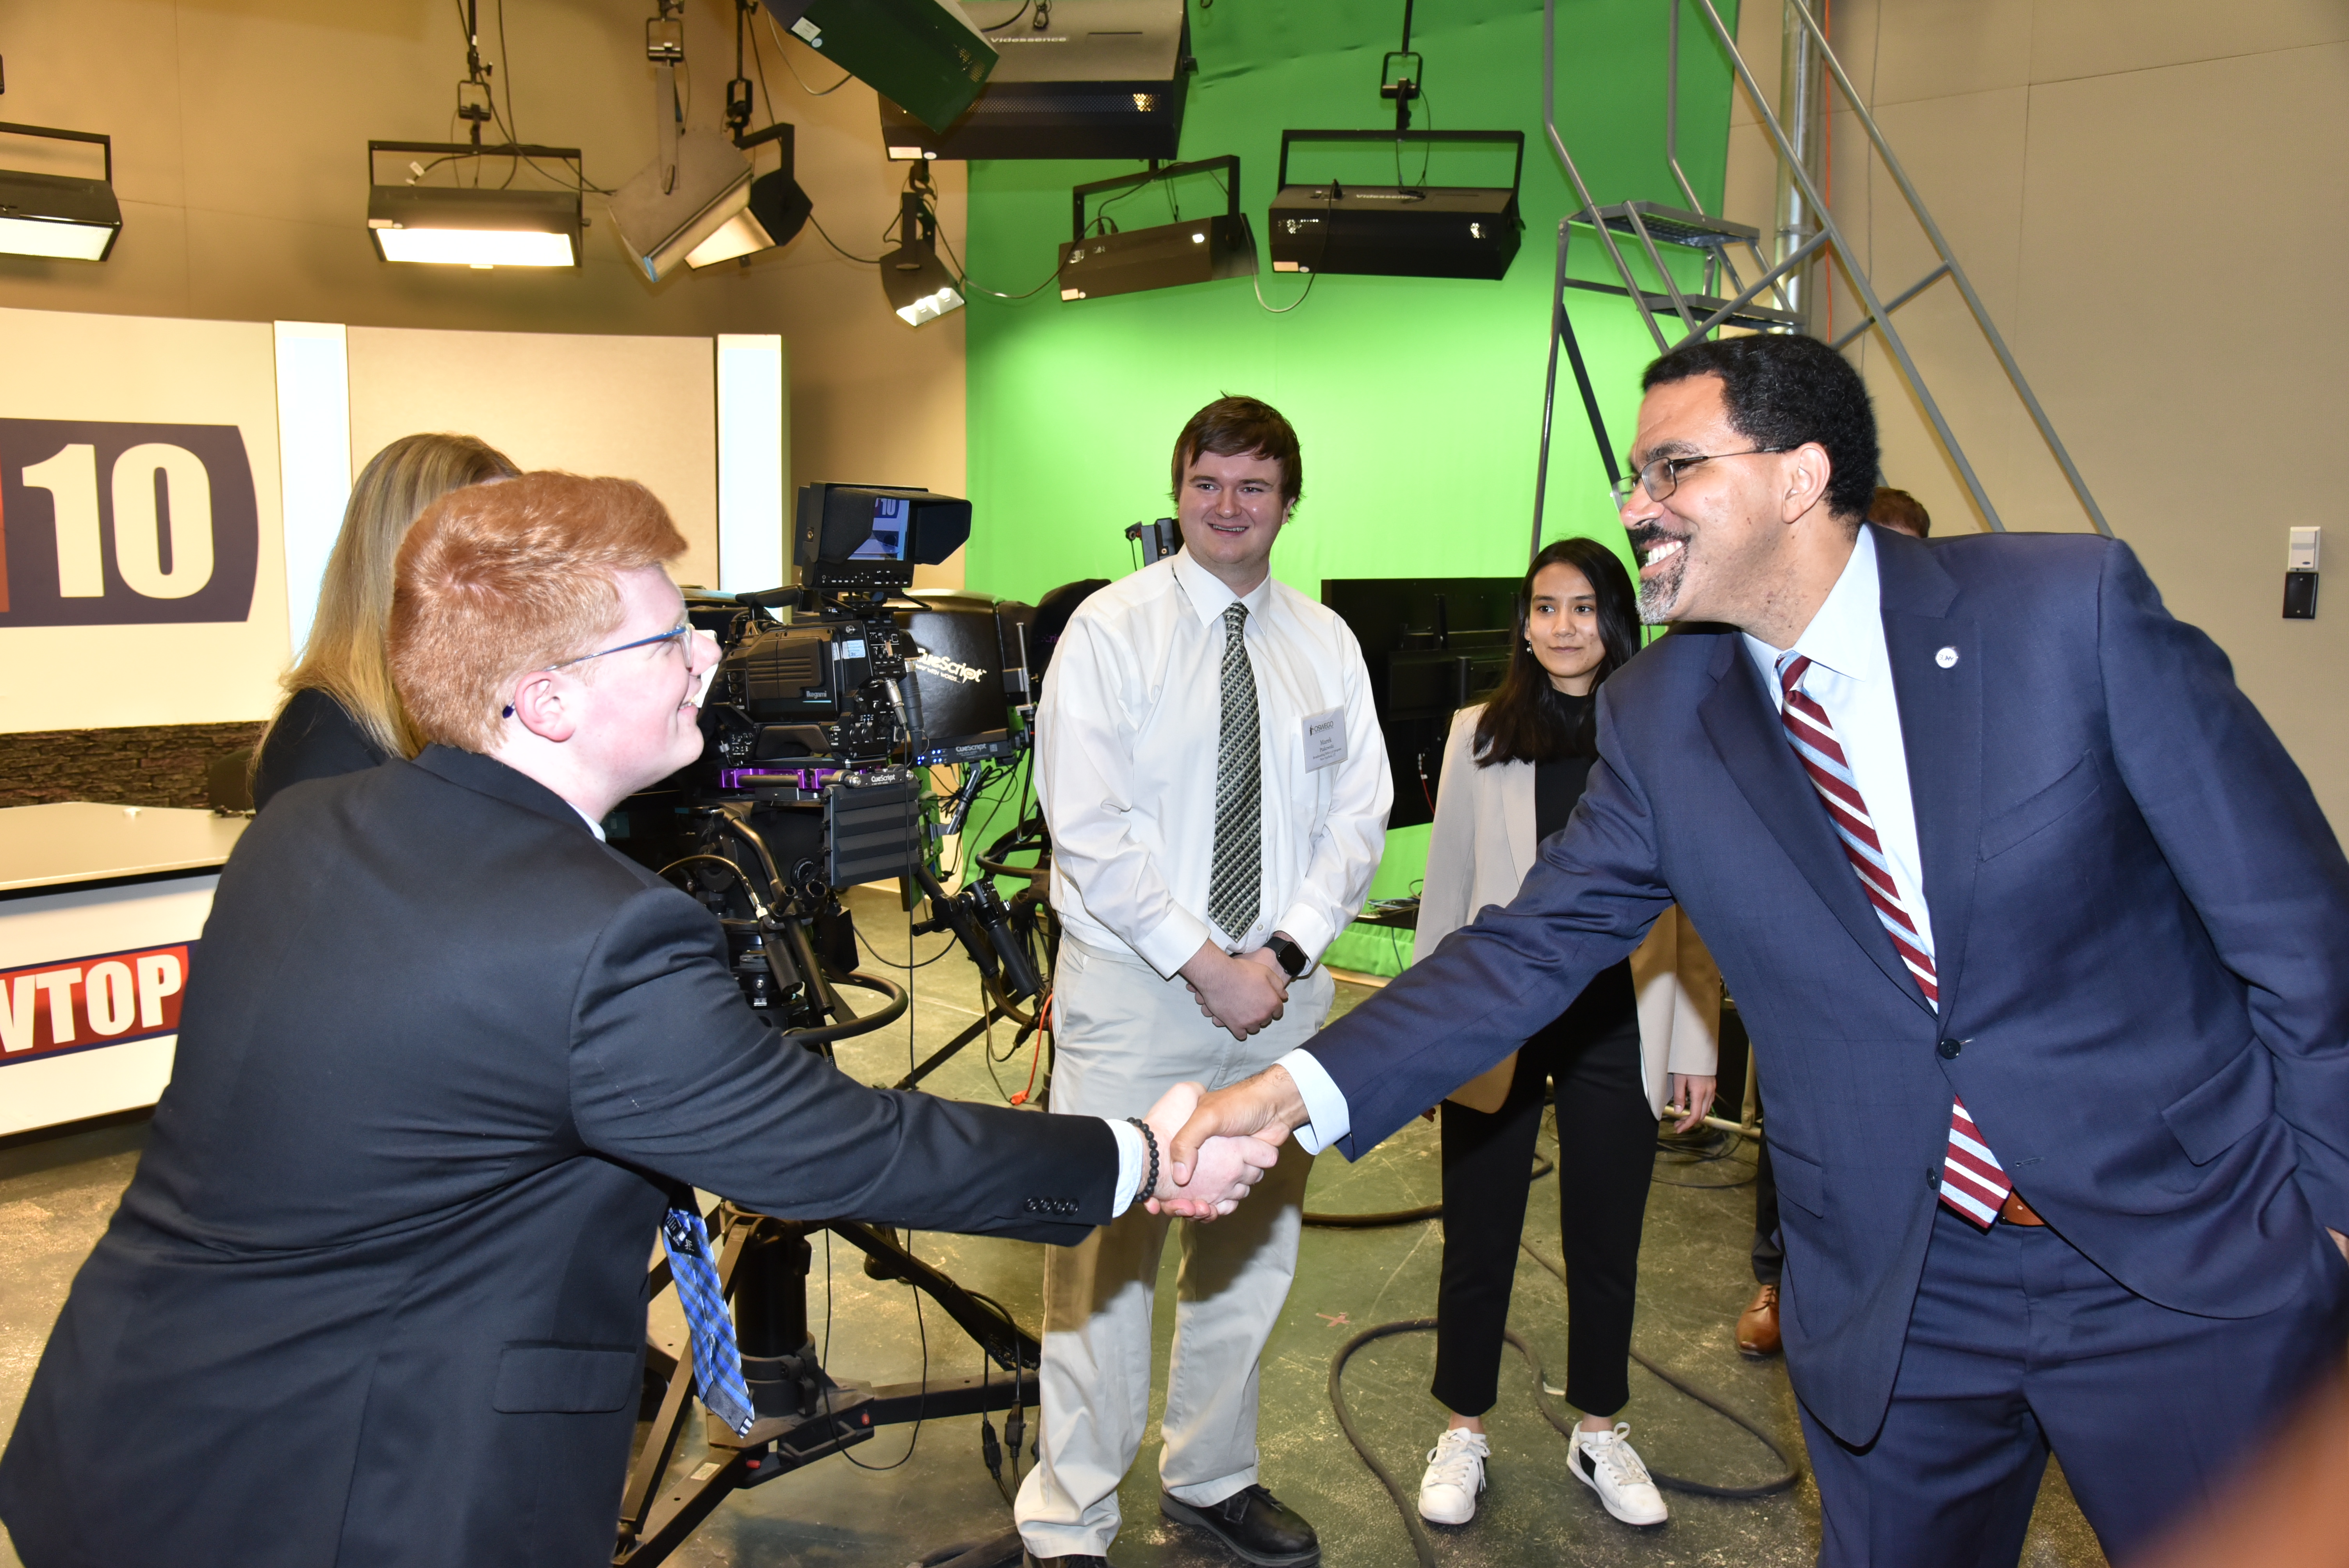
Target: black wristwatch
<point x="1292" y="957"/>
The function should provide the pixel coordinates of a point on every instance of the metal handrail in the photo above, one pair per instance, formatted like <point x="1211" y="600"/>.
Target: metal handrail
<point x="1558" y="145"/>
<point x="1877" y="313"/>
<point x="1856" y="275"/>
<point x="1949" y="258"/>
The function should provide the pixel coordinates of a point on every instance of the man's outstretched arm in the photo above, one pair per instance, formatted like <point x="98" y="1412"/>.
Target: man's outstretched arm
<point x="1591" y="896"/>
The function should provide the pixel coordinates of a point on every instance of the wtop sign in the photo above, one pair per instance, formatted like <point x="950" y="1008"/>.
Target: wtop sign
<point x="106" y="524"/>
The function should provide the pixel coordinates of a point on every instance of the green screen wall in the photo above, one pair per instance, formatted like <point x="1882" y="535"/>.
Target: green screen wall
<point x="1417" y="400"/>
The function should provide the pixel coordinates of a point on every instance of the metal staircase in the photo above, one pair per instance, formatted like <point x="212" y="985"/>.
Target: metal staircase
<point x="1766" y="293"/>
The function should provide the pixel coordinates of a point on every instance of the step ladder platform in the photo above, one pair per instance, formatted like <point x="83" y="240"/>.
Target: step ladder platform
<point x="1678" y="226"/>
<point x="1751" y="317"/>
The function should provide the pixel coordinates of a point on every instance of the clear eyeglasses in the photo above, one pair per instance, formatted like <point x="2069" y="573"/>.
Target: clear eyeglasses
<point x="1662" y="475"/>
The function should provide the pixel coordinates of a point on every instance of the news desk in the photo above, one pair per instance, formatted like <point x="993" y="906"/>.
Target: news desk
<point x="101" y="909"/>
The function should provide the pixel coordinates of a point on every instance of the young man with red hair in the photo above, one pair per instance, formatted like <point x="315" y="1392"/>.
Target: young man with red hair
<point x="447" y="1066"/>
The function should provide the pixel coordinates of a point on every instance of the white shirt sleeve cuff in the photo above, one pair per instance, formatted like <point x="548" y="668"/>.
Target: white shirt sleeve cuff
<point x="1133" y="1160"/>
<point x="1308" y="930"/>
<point x="1327" y="1118"/>
<point x="1170" y="948"/>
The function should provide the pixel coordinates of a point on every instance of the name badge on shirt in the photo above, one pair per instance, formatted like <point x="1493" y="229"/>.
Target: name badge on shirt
<point x="1325" y="738"/>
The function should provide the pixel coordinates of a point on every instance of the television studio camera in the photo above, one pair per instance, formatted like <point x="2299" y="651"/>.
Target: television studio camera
<point x="833" y="709"/>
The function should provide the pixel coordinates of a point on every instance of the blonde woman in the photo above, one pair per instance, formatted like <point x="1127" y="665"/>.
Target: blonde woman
<point x="340" y="713"/>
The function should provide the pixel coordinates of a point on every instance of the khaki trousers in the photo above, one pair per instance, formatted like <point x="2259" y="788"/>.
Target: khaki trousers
<point x="1125" y="1037"/>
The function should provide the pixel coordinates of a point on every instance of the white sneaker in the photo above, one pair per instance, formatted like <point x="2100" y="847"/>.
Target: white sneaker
<point x="1455" y="1474"/>
<point x="1607" y="1464"/>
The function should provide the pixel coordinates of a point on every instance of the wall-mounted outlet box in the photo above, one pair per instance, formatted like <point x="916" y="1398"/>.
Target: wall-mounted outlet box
<point x="2300" y="575"/>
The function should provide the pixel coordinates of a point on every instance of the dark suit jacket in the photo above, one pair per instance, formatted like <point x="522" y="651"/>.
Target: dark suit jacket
<point x="377" y="1292"/>
<point x="314" y="737"/>
<point x="2141" y="922"/>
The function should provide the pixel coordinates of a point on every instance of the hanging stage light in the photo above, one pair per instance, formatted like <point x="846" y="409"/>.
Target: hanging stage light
<point x="1165" y="255"/>
<point x="778" y="209"/>
<point x="57" y="215"/>
<point x="470" y="226"/>
<point x="774" y="207"/>
<point x="1397" y="231"/>
<point x="682" y="199"/>
<point x="919" y="286"/>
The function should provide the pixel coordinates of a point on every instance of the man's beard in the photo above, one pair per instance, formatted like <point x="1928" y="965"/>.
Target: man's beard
<point x="1660" y="592"/>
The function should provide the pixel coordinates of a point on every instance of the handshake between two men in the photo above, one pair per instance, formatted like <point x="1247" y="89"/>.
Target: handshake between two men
<point x="1214" y="1173"/>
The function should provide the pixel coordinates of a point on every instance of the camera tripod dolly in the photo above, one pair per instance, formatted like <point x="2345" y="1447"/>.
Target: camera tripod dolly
<point x="804" y="1414"/>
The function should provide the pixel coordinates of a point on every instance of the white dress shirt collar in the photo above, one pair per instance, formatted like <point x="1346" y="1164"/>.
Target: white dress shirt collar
<point x="1846" y="634"/>
<point x="1851" y="678"/>
<point x="1209" y="596"/>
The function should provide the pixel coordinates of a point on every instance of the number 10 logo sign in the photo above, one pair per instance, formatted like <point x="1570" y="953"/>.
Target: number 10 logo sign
<point x="105" y="524"/>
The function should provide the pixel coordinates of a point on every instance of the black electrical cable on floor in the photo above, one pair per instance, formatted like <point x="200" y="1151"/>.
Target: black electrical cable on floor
<point x="1408" y="1507"/>
<point x="1789" y="1473"/>
<point x="1542" y="1167"/>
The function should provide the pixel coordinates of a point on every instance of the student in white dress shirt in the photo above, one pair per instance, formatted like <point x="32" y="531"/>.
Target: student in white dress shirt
<point x="1191" y="947"/>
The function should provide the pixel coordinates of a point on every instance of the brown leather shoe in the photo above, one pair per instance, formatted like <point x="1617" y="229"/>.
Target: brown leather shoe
<point x="1757" y="1326"/>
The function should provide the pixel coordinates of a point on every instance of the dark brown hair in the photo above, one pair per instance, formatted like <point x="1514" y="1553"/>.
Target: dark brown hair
<point x="1898" y="508"/>
<point x="1528" y="718"/>
<point x="1237" y="427"/>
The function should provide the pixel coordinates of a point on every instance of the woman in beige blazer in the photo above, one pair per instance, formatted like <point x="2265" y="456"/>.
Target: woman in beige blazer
<point x="1643" y="1033"/>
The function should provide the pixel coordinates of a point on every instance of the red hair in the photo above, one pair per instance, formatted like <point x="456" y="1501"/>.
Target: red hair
<point x="497" y="580"/>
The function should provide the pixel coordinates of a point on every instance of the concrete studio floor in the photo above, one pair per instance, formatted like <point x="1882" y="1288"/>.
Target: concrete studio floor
<point x="57" y="1193"/>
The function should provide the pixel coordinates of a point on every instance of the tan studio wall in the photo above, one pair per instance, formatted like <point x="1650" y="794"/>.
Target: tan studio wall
<point x="643" y="407"/>
<point x="240" y="133"/>
<point x="2144" y="193"/>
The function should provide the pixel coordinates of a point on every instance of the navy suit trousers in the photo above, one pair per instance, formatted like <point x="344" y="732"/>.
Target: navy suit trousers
<point x="2019" y="1344"/>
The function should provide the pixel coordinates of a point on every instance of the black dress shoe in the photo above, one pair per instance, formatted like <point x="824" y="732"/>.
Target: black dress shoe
<point x="1255" y="1524"/>
<point x="1029" y="1560"/>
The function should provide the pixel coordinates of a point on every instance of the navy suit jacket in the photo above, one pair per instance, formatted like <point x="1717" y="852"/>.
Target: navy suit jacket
<point x="377" y="1292"/>
<point x="2141" y="921"/>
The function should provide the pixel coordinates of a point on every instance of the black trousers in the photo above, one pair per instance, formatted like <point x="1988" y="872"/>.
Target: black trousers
<point x="1606" y="1151"/>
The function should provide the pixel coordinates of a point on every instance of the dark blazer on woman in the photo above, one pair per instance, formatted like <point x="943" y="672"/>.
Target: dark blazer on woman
<point x="315" y="738"/>
<point x="377" y="1292"/>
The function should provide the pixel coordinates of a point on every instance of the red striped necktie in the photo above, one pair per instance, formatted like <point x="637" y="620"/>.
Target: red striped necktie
<point x="1972" y="1182"/>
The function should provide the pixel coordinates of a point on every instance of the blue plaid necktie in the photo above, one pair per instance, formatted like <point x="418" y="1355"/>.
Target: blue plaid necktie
<point x="717" y="1364"/>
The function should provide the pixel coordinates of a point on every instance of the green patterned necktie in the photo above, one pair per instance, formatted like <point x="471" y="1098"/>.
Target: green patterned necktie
<point x="1235" y="884"/>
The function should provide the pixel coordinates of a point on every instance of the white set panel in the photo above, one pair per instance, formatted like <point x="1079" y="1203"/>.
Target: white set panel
<point x="313" y="455"/>
<point x="754" y="463"/>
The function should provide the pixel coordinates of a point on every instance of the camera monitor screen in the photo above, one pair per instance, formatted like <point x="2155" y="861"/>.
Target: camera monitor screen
<point x="891" y="531"/>
<point x="884" y="530"/>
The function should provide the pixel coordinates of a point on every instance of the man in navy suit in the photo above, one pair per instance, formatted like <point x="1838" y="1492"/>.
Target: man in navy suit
<point x="2044" y="940"/>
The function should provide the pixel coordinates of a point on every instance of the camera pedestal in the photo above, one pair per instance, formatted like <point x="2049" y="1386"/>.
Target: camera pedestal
<point x="804" y="1413"/>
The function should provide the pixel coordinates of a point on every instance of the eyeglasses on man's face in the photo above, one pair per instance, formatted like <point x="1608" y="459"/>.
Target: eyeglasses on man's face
<point x="1659" y="477"/>
<point x="676" y="635"/>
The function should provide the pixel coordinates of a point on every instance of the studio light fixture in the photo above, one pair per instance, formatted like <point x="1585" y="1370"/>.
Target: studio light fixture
<point x="57" y="215"/>
<point x="774" y="215"/>
<point x="923" y="54"/>
<point x="682" y="197"/>
<point x="774" y="208"/>
<point x="1089" y="78"/>
<point x="1397" y="231"/>
<point x="919" y="286"/>
<point x="474" y="226"/>
<point x="1165" y="255"/>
